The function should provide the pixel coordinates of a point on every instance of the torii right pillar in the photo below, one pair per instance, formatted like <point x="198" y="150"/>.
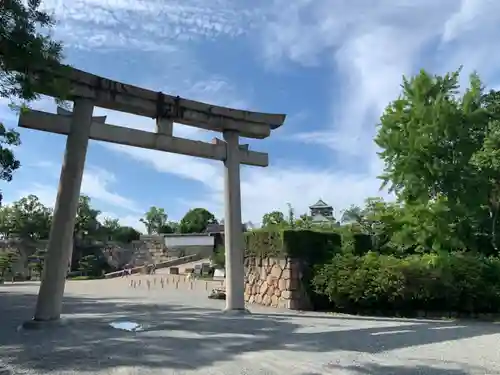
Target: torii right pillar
<point x="233" y="230"/>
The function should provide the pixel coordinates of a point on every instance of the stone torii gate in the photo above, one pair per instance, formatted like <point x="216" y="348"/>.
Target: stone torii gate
<point x="87" y="91"/>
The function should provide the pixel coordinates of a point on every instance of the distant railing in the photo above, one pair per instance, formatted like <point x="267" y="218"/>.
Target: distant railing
<point x="166" y="264"/>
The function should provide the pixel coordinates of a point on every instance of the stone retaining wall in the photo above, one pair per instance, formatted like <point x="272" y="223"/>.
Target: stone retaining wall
<point x="276" y="283"/>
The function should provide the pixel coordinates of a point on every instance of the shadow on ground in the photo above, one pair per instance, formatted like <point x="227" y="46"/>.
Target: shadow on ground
<point x="374" y="369"/>
<point x="184" y="338"/>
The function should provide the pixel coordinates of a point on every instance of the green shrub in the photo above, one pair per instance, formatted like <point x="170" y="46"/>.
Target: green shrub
<point x="452" y="282"/>
<point x="218" y="257"/>
<point x="362" y="243"/>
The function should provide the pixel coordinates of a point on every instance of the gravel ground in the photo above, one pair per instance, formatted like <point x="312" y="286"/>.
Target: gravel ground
<point x="186" y="333"/>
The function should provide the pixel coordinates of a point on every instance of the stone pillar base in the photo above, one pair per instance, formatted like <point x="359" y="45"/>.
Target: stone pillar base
<point x="36" y="325"/>
<point x="236" y="312"/>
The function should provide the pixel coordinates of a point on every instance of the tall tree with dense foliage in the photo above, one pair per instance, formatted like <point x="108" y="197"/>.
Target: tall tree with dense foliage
<point x="438" y="145"/>
<point x="26" y="218"/>
<point x="125" y="234"/>
<point x="196" y="220"/>
<point x="8" y="162"/>
<point x="274" y="218"/>
<point x="26" y="52"/>
<point x="353" y="214"/>
<point x="155" y="220"/>
<point x="7" y="261"/>
<point x="87" y="223"/>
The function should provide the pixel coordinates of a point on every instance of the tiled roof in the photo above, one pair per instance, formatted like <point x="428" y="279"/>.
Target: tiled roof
<point x="320" y="204"/>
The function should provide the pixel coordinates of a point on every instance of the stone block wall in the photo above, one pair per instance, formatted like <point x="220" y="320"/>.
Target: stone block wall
<point x="275" y="282"/>
<point x="24" y="249"/>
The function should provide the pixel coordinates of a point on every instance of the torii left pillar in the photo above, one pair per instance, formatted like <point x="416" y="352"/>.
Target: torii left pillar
<point x="60" y="246"/>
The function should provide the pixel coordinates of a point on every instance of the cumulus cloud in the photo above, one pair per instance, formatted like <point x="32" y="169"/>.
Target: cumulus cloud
<point x="96" y="183"/>
<point x="124" y="220"/>
<point x="372" y="47"/>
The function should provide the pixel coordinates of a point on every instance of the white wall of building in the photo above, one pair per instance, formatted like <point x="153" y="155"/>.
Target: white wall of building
<point x="180" y="241"/>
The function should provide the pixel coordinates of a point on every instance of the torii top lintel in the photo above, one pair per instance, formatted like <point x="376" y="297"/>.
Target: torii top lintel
<point x="123" y="97"/>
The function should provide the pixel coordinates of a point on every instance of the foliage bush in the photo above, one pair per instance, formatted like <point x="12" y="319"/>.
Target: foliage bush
<point x="218" y="257"/>
<point x="342" y="271"/>
<point x="362" y="243"/>
<point x="445" y="282"/>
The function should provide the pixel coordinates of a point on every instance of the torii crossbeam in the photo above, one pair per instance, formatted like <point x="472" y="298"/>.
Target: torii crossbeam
<point x="87" y="91"/>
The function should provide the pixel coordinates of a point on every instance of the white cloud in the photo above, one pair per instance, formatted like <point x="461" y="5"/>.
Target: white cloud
<point x="269" y="189"/>
<point x="47" y="196"/>
<point x="45" y="193"/>
<point x="369" y="47"/>
<point x="372" y="47"/>
<point x="124" y="220"/>
<point x="151" y="25"/>
<point x="96" y="183"/>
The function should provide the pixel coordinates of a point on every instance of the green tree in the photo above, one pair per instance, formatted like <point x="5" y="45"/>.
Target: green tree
<point x="87" y="223"/>
<point x="111" y="230"/>
<point x="7" y="261"/>
<point x="107" y="228"/>
<point x="8" y="162"/>
<point x="304" y="222"/>
<point x="434" y="142"/>
<point x="28" y="60"/>
<point x="274" y="218"/>
<point x="291" y="221"/>
<point x="88" y="265"/>
<point x="110" y="224"/>
<point x="171" y="227"/>
<point x="125" y="235"/>
<point x="154" y="220"/>
<point x="26" y="218"/>
<point x="196" y="220"/>
<point x="353" y="214"/>
<point x="218" y="258"/>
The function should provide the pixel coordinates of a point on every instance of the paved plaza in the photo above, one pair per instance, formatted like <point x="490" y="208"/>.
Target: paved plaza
<point x="183" y="332"/>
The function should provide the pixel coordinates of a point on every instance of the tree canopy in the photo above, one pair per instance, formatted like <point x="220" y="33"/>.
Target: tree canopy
<point x="196" y="220"/>
<point x="28" y="59"/>
<point x="439" y="148"/>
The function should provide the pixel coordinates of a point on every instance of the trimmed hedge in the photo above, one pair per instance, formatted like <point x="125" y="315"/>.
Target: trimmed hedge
<point x="310" y="246"/>
<point x="362" y="243"/>
<point x="450" y="282"/>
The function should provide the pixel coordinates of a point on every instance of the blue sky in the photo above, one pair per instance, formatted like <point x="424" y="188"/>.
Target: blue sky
<point x="330" y="65"/>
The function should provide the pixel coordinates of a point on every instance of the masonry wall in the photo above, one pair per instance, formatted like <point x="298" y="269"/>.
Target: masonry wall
<point x="24" y="249"/>
<point x="148" y="250"/>
<point x="275" y="282"/>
